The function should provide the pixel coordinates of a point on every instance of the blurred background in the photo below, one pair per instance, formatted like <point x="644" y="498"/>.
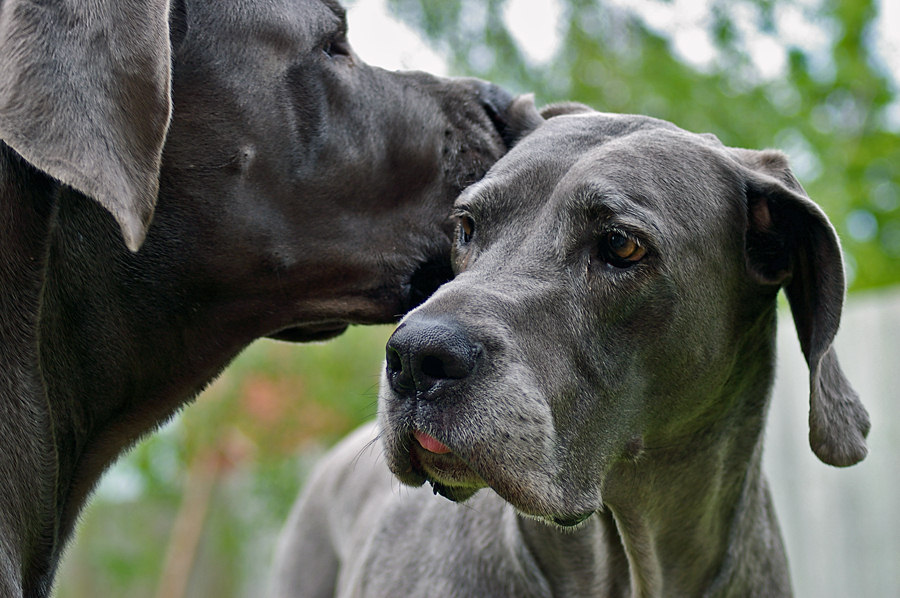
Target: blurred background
<point x="195" y="509"/>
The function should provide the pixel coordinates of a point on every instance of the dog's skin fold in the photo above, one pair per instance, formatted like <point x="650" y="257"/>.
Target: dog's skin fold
<point x="593" y="383"/>
<point x="177" y="181"/>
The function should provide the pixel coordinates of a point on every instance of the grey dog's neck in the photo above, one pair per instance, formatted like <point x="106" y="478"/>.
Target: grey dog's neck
<point x="689" y="519"/>
<point x="677" y="541"/>
<point x="586" y="561"/>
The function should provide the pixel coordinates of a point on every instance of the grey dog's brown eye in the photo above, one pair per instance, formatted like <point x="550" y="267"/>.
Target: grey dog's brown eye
<point x="620" y="250"/>
<point x="466" y="229"/>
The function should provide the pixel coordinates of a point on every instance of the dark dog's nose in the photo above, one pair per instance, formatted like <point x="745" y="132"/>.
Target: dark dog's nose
<point x="493" y="96"/>
<point x="425" y="355"/>
<point x="496" y="102"/>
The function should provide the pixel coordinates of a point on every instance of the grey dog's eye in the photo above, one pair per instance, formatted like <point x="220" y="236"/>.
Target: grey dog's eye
<point x="337" y="46"/>
<point x="620" y="250"/>
<point x="466" y="228"/>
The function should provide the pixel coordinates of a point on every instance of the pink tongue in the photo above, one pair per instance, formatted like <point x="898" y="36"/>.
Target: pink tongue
<point x="430" y="444"/>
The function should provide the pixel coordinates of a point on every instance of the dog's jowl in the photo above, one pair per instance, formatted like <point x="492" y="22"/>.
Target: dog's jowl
<point x="593" y="383"/>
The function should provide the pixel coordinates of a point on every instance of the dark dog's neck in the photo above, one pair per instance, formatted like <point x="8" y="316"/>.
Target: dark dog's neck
<point x="130" y="332"/>
<point x="28" y="458"/>
<point x="587" y="561"/>
<point x="691" y="519"/>
<point x="73" y="338"/>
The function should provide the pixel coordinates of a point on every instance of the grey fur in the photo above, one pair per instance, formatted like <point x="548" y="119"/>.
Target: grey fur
<point x="615" y="410"/>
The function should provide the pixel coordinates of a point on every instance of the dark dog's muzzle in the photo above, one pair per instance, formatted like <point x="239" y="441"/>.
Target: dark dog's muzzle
<point x="426" y="355"/>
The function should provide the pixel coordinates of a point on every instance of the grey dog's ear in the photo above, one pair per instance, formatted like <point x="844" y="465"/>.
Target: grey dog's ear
<point x="563" y="108"/>
<point x="85" y="97"/>
<point x="790" y="242"/>
<point x="524" y="117"/>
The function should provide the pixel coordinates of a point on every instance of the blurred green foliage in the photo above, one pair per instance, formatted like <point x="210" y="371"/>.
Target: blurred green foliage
<point x="229" y="465"/>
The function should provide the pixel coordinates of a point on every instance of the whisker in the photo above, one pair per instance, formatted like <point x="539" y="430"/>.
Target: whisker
<point x="371" y="443"/>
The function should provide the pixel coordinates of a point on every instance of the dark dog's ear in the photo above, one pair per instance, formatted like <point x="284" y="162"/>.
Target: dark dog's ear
<point x="790" y="242"/>
<point x="85" y="97"/>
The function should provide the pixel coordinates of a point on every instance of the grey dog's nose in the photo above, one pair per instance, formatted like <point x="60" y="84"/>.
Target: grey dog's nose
<point x="426" y="354"/>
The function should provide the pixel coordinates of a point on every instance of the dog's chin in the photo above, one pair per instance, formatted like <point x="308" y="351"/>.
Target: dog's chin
<point x="570" y="521"/>
<point x="461" y="493"/>
<point x="448" y="475"/>
<point x="454" y="493"/>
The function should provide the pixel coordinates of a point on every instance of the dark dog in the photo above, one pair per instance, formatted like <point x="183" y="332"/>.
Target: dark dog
<point x="602" y="362"/>
<point x="296" y="190"/>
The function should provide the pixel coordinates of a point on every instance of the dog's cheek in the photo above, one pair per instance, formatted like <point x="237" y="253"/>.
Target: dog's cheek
<point x="459" y="258"/>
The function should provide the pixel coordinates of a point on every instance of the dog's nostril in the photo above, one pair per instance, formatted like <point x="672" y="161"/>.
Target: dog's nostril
<point x="399" y="375"/>
<point x="453" y="360"/>
<point x="394" y="361"/>
<point x="433" y="367"/>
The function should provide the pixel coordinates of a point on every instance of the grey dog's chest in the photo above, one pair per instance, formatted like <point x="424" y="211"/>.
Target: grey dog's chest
<point x="424" y="546"/>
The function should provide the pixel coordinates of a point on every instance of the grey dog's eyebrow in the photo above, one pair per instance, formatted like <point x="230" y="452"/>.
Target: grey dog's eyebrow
<point x="338" y="10"/>
<point x="632" y="213"/>
<point x="474" y="195"/>
<point x="340" y="13"/>
<point x="606" y="203"/>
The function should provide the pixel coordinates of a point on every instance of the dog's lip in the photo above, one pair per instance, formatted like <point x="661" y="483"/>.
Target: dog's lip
<point x="430" y="443"/>
<point x="305" y="333"/>
<point x="434" y="462"/>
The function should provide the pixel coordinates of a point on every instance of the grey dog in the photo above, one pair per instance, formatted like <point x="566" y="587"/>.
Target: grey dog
<point x="293" y="190"/>
<point x="603" y="363"/>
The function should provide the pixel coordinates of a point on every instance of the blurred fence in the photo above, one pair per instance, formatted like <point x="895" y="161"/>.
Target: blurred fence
<point x="841" y="526"/>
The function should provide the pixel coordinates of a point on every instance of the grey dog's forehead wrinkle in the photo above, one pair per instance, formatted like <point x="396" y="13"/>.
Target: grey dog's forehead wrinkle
<point x="605" y="183"/>
<point x="597" y="206"/>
